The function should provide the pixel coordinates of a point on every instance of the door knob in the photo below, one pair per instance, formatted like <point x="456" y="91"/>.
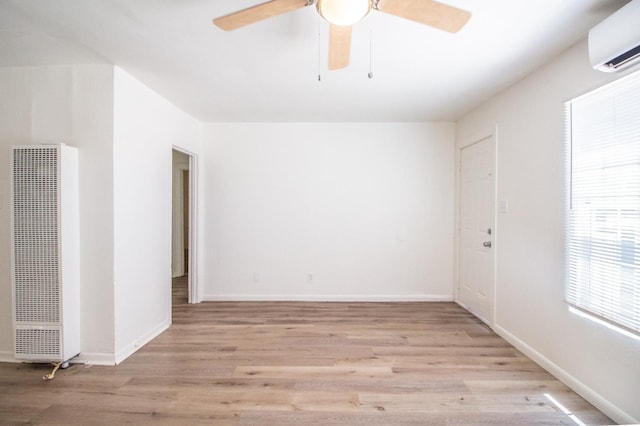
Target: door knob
<point x="487" y="244"/>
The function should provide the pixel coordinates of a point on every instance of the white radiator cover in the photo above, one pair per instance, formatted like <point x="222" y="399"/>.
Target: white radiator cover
<point x="45" y="249"/>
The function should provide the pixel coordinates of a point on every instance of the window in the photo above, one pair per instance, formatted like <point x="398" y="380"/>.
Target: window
<point x="603" y="135"/>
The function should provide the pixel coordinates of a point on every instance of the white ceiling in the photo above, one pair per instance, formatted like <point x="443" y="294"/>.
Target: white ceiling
<point x="269" y="70"/>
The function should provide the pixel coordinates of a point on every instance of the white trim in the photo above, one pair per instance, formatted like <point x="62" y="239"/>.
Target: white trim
<point x="466" y="308"/>
<point x="94" y="358"/>
<point x="327" y="298"/>
<point x="98" y="358"/>
<point x="131" y="348"/>
<point x="194" y="288"/>
<point x="488" y="132"/>
<point x="84" y="358"/>
<point x="603" y="323"/>
<point x="600" y="402"/>
<point x="7" y="356"/>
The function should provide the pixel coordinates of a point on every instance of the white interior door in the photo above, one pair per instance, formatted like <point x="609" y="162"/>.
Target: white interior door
<point x="477" y="212"/>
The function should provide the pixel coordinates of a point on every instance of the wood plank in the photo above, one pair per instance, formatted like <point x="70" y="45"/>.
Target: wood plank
<point x="302" y="363"/>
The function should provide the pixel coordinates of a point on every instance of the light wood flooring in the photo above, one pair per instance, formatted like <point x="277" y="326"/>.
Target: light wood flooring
<point x="301" y="363"/>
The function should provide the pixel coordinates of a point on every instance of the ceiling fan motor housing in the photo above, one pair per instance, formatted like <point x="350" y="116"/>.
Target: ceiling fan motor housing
<point x="343" y="12"/>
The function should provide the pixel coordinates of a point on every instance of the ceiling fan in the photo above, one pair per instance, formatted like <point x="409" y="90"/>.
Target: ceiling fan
<point x="342" y="14"/>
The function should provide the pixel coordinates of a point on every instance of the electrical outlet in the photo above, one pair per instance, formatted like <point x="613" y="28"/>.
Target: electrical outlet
<point x="309" y="277"/>
<point x="256" y="277"/>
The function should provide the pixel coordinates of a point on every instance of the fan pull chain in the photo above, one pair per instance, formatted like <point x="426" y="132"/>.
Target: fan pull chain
<point x="319" y="52"/>
<point x="370" y="75"/>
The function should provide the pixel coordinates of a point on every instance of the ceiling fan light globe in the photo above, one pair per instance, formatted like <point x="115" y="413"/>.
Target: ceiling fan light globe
<point x="343" y="12"/>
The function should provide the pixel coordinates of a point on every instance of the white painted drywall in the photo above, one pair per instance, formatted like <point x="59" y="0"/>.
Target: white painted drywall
<point x="146" y="128"/>
<point x="124" y="133"/>
<point x="74" y="105"/>
<point x="366" y="208"/>
<point x="530" y="311"/>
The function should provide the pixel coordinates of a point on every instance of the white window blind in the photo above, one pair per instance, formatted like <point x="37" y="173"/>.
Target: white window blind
<point x="603" y="131"/>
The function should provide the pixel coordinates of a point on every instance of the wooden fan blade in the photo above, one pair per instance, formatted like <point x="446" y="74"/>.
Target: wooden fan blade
<point x="428" y="12"/>
<point x="258" y="13"/>
<point x="339" y="46"/>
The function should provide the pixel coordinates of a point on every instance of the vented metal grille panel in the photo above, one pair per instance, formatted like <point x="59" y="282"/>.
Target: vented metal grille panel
<point x="38" y="342"/>
<point x="36" y="235"/>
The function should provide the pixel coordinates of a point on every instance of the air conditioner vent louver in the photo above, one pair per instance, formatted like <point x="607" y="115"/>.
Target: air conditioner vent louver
<point x="35" y="200"/>
<point x="39" y="342"/>
<point x="624" y="59"/>
<point x="45" y="252"/>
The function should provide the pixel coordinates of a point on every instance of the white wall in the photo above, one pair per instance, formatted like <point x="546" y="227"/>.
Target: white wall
<point x="367" y="208"/>
<point x="74" y="105"/>
<point x="530" y="312"/>
<point x="146" y="127"/>
<point x="124" y="134"/>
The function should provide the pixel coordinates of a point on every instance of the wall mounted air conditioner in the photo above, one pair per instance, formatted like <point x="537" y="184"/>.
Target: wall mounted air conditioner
<point x="45" y="252"/>
<point x="614" y="44"/>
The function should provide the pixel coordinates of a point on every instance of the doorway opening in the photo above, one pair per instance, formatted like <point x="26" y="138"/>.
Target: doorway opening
<point x="183" y="228"/>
